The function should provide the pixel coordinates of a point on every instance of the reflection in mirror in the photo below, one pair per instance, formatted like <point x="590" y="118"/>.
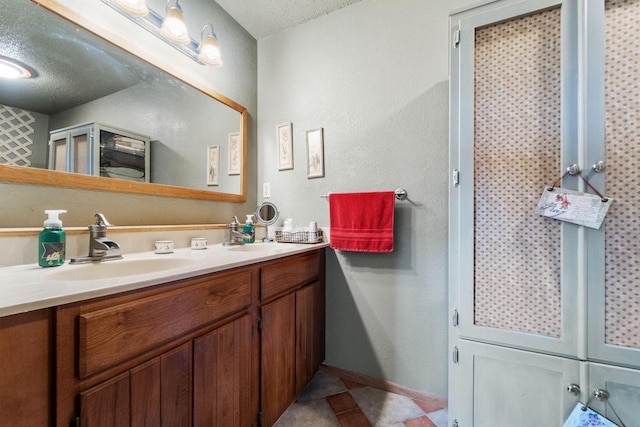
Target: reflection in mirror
<point x="81" y="80"/>
<point x="267" y="214"/>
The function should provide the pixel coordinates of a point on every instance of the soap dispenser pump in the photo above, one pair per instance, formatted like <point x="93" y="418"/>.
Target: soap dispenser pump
<point x="249" y="228"/>
<point x="52" y="240"/>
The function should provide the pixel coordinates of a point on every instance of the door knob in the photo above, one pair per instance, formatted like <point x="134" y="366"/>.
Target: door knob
<point x="599" y="167"/>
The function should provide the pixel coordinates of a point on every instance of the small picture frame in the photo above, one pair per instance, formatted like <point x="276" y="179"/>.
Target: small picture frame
<point x="213" y="165"/>
<point x="235" y="153"/>
<point x="315" y="153"/>
<point x="284" y="136"/>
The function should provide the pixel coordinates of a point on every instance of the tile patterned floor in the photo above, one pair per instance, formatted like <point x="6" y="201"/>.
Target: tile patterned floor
<point x="329" y="401"/>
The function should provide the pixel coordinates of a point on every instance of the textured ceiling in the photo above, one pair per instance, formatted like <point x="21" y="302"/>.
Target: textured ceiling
<point x="71" y="67"/>
<point x="69" y="76"/>
<point x="262" y="18"/>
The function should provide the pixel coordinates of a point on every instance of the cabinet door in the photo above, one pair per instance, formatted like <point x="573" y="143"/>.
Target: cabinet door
<point x="121" y="154"/>
<point x="157" y="393"/>
<point x="309" y="333"/>
<point x="223" y="377"/>
<point x="72" y="150"/>
<point x="501" y="387"/>
<point x="623" y="387"/>
<point x="175" y="387"/>
<point x="513" y="272"/>
<point x="26" y="371"/>
<point x="614" y="251"/>
<point x="278" y="357"/>
<point x="145" y="394"/>
<point x="107" y="404"/>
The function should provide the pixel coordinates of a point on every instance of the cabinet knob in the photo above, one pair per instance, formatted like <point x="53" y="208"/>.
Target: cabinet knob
<point x="573" y="388"/>
<point x="573" y="169"/>
<point x="599" y="167"/>
<point x="600" y="394"/>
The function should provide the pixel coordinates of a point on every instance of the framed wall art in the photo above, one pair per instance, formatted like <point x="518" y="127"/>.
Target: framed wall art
<point x="235" y="153"/>
<point x="315" y="153"/>
<point x="213" y="165"/>
<point x="284" y="136"/>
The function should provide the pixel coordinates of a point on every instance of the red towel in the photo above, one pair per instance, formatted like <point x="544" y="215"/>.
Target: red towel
<point x="362" y="222"/>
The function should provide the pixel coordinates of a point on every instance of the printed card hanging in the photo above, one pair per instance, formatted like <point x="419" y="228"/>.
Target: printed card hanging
<point x="586" y="418"/>
<point x="573" y="206"/>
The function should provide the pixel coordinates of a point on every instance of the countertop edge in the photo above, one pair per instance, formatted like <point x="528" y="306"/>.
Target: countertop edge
<point x="104" y="287"/>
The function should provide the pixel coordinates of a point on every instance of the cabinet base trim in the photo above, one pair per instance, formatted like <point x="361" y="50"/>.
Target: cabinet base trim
<point x="384" y="385"/>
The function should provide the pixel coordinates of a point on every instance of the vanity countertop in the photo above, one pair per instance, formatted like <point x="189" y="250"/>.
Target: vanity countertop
<point x="29" y="287"/>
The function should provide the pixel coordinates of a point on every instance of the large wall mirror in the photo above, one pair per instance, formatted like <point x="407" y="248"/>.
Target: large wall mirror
<point x="80" y="78"/>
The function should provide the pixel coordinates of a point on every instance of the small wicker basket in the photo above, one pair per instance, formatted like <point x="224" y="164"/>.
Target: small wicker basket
<point x="299" y="237"/>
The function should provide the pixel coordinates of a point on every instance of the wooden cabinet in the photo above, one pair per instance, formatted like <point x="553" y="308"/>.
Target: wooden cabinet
<point x="26" y="370"/>
<point x="310" y="321"/>
<point x="179" y="354"/>
<point x="293" y="316"/>
<point x="278" y="357"/>
<point x="97" y="149"/>
<point x="190" y="353"/>
<point x="222" y="367"/>
<point x="540" y="100"/>
<point x="184" y="353"/>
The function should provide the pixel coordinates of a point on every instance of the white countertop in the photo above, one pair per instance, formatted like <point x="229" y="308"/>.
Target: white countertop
<point x="30" y="287"/>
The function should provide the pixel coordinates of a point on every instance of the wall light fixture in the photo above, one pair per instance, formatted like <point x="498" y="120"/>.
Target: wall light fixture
<point x="172" y="28"/>
<point x="209" y="49"/>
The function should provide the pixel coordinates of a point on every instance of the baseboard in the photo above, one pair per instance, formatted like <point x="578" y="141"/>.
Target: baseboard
<point x="384" y="385"/>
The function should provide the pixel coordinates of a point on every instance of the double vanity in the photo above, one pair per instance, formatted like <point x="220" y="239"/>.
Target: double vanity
<point x="224" y="336"/>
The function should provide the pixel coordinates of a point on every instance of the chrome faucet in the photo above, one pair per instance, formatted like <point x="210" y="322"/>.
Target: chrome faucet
<point x="235" y="236"/>
<point x="101" y="248"/>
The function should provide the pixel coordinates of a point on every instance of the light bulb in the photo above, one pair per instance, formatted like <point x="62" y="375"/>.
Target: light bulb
<point x="209" y="50"/>
<point x="133" y="7"/>
<point x="174" y="26"/>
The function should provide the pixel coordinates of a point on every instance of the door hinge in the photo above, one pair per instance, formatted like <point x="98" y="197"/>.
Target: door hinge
<point x="455" y="320"/>
<point x="456" y="38"/>
<point x="75" y="420"/>
<point x="455" y="177"/>
<point x="260" y="418"/>
<point x="259" y="324"/>
<point x="456" y="354"/>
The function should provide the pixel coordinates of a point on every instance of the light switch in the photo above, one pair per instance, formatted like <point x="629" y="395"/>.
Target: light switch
<point x="266" y="190"/>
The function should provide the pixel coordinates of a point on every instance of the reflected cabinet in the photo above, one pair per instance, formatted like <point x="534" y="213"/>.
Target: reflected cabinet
<point x="544" y="312"/>
<point x="101" y="150"/>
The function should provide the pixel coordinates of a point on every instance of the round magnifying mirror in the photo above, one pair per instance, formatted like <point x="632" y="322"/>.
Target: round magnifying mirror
<point x="267" y="214"/>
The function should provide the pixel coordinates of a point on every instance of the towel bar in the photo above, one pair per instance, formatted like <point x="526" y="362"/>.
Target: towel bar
<point x="401" y="194"/>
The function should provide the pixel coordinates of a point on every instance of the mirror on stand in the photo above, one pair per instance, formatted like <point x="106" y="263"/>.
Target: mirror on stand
<point x="267" y="214"/>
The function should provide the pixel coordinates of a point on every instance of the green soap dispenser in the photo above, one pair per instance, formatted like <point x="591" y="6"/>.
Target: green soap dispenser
<point x="51" y="241"/>
<point x="249" y="228"/>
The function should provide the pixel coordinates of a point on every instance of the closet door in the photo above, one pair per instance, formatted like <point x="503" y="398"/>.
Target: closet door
<point x="614" y="278"/>
<point x="622" y="387"/>
<point x="513" y="66"/>
<point x="507" y="388"/>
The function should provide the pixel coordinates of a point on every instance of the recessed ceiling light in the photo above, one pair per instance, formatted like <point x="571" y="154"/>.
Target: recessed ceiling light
<point x="12" y="69"/>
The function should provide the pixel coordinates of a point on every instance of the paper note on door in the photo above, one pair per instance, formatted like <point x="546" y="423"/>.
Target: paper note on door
<point x="586" y="418"/>
<point x="573" y="206"/>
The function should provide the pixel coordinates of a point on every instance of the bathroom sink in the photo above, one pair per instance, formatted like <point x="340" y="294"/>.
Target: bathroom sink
<point x="112" y="269"/>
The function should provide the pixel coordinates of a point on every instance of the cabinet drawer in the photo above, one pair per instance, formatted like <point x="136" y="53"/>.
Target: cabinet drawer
<point x="279" y="277"/>
<point x="114" y="334"/>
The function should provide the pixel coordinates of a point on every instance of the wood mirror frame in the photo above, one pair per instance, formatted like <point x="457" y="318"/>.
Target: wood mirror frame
<point x="65" y="179"/>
